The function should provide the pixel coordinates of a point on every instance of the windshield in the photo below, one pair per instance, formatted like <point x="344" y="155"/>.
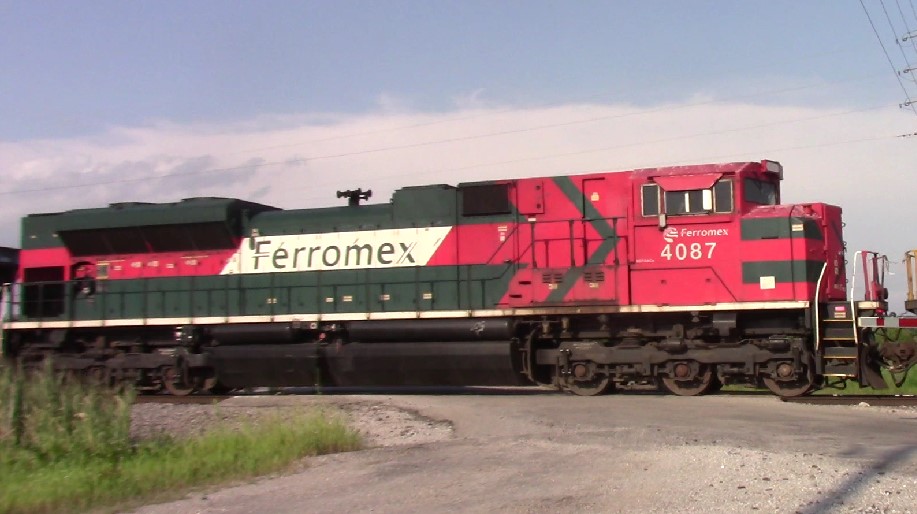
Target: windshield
<point x="764" y="193"/>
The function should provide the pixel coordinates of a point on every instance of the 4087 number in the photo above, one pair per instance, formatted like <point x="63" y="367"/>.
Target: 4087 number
<point x="684" y="251"/>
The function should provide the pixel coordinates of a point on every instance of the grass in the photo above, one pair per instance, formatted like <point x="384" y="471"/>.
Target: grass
<point x="66" y="447"/>
<point x="851" y="387"/>
<point x="909" y="386"/>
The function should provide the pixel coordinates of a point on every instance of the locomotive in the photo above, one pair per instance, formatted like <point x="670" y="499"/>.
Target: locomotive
<point x="686" y="277"/>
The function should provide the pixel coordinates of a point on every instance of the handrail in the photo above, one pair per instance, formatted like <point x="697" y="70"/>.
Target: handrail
<point x="873" y="282"/>
<point x="869" y="279"/>
<point x="571" y="222"/>
<point x="817" y="320"/>
<point x="853" y="307"/>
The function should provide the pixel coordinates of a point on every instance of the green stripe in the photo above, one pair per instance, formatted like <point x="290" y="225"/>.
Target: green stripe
<point x="780" y="228"/>
<point x="782" y="271"/>
<point x="450" y="288"/>
<point x="601" y="226"/>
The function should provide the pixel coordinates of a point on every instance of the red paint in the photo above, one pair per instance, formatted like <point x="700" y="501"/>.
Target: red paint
<point x="174" y="264"/>
<point x="553" y="249"/>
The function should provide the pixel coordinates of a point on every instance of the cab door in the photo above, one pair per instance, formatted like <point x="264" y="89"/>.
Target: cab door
<point x="600" y="251"/>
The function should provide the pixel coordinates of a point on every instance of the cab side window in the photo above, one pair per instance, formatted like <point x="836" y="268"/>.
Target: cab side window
<point x="650" y="195"/>
<point x="722" y="196"/>
<point x="718" y="199"/>
<point x="685" y="202"/>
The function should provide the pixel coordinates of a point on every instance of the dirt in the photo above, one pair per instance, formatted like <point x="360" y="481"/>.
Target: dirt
<point x="518" y="451"/>
<point x="379" y="424"/>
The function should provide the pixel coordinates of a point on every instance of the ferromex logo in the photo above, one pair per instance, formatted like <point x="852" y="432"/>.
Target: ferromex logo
<point x="672" y="233"/>
<point x="389" y="248"/>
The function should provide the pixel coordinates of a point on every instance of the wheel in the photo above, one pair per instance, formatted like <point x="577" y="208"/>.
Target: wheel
<point x="700" y="383"/>
<point x="174" y="382"/>
<point x="597" y="386"/>
<point x="798" y="386"/>
<point x="213" y="386"/>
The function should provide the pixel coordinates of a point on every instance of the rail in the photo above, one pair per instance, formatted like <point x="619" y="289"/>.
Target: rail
<point x="571" y="231"/>
<point x="874" y="265"/>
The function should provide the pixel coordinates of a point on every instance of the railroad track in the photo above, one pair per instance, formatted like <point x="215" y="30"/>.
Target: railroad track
<point x="203" y="399"/>
<point x="900" y="400"/>
<point x="872" y="400"/>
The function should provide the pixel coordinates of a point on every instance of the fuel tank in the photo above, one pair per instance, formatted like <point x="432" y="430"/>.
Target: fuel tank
<point x="421" y="363"/>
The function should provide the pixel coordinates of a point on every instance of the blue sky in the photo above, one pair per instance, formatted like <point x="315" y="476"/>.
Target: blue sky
<point x="286" y="102"/>
<point x="72" y="68"/>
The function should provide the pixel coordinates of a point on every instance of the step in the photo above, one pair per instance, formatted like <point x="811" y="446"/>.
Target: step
<point x="846" y="370"/>
<point x="845" y="331"/>
<point x="836" y="352"/>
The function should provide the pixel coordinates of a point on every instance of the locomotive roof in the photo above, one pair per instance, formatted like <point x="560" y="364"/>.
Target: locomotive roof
<point x="128" y="214"/>
<point x="44" y="230"/>
<point x="730" y="167"/>
<point x="425" y="205"/>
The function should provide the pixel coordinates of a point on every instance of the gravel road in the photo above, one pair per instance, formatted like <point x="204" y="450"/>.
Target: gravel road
<point x="527" y="451"/>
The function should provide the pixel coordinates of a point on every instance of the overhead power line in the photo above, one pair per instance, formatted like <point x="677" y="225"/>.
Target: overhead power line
<point x="907" y="97"/>
<point x="471" y="137"/>
<point x="414" y="145"/>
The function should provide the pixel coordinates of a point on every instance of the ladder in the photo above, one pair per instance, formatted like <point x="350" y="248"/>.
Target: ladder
<point x="841" y="343"/>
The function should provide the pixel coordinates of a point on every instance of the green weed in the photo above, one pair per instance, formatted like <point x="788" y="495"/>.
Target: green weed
<point x="65" y="447"/>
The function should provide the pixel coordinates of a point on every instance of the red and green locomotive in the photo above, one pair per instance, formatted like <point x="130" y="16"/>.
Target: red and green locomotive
<point x="689" y="277"/>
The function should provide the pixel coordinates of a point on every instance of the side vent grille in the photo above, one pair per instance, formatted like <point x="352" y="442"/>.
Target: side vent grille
<point x="594" y="276"/>
<point x="552" y="277"/>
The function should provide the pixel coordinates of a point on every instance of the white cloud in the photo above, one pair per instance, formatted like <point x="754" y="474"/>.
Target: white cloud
<point x="830" y="154"/>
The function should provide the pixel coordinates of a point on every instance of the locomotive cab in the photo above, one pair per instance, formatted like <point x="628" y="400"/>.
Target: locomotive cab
<point x="722" y="236"/>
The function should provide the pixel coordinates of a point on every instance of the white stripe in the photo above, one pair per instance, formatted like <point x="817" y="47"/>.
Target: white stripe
<point x="873" y="322"/>
<point x="361" y="249"/>
<point x="350" y="316"/>
<point x="297" y="317"/>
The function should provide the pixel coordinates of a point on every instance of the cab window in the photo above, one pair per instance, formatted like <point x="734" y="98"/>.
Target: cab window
<point x="687" y="202"/>
<point x="722" y="196"/>
<point x="718" y="199"/>
<point x="757" y="191"/>
<point x="650" y="194"/>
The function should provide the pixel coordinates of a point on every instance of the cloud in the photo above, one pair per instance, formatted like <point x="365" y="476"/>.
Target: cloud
<point x="841" y="155"/>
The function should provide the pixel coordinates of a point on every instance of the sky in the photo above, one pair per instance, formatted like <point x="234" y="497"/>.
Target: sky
<point x="285" y="102"/>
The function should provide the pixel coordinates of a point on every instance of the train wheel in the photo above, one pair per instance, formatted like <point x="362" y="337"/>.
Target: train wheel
<point x="598" y="385"/>
<point x="175" y="383"/>
<point x="213" y="386"/>
<point x="787" y="387"/>
<point x="702" y="382"/>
